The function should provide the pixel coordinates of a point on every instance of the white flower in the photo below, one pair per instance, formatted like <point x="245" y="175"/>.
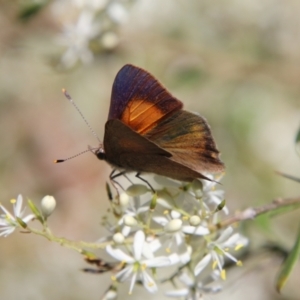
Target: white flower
<point x="137" y="263"/>
<point x="172" y="224"/>
<point x="211" y="195"/>
<point x="218" y="249"/>
<point x="132" y="209"/>
<point x="173" y="238"/>
<point x="8" y="222"/>
<point x="194" y="287"/>
<point x="76" y="37"/>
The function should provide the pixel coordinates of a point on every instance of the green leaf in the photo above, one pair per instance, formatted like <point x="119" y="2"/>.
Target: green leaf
<point x="31" y="8"/>
<point x="153" y="201"/>
<point x="21" y="222"/>
<point x="108" y="191"/>
<point x="36" y="211"/>
<point x="221" y="205"/>
<point x="289" y="176"/>
<point x="88" y="255"/>
<point x="297" y="142"/>
<point x="264" y="223"/>
<point x="288" y="265"/>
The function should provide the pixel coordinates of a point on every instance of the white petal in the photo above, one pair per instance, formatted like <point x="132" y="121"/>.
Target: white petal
<point x="143" y="209"/>
<point x="160" y="220"/>
<point x="18" y="206"/>
<point x="174" y="258"/>
<point x="7" y="212"/>
<point x="156" y="262"/>
<point x="199" y="230"/>
<point x="186" y="279"/>
<point x="185" y="257"/>
<point x="133" y="280"/>
<point x="175" y="214"/>
<point x="7" y="230"/>
<point x="147" y="251"/>
<point x="119" y="254"/>
<point x="179" y="238"/>
<point x="28" y="218"/>
<point x="155" y="244"/>
<point x="148" y="282"/>
<point x="125" y="273"/>
<point x="224" y="235"/>
<point x="110" y="295"/>
<point x="138" y="244"/>
<point x="219" y="259"/>
<point x="230" y="256"/>
<point x="202" y="264"/>
<point x="126" y="230"/>
<point x="177" y="293"/>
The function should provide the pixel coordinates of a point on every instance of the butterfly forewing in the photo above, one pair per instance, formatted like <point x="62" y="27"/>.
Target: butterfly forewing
<point x="139" y="100"/>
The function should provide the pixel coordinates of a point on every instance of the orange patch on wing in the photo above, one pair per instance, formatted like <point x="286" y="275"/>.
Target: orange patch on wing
<point x="141" y="115"/>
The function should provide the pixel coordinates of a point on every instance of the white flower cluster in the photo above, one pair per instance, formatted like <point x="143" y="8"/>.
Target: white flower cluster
<point x="176" y="230"/>
<point x="88" y="26"/>
<point x="172" y="229"/>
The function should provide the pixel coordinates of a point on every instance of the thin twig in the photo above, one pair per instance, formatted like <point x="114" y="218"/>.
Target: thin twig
<point x="253" y="212"/>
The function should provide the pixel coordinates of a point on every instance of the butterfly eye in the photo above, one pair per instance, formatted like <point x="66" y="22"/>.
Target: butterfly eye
<point x="100" y="154"/>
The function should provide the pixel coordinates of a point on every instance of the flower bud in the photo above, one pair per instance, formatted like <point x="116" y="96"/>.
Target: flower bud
<point x="194" y="220"/>
<point x="48" y="204"/>
<point x="173" y="226"/>
<point x="137" y="190"/>
<point x="118" y="238"/>
<point x="124" y="199"/>
<point x="130" y="221"/>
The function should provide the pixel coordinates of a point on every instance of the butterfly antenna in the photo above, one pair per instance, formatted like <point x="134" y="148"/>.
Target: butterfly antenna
<point x="67" y="95"/>
<point x="73" y="156"/>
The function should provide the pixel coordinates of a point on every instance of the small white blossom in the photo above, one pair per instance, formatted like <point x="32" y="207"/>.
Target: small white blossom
<point x="194" y="288"/>
<point x="8" y="222"/>
<point x="137" y="263"/>
<point x="212" y="195"/>
<point x="76" y="38"/>
<point x="218" y="250"/>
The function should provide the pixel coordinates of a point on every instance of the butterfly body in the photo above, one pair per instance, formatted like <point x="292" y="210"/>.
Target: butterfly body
<point x="148" y="132"/>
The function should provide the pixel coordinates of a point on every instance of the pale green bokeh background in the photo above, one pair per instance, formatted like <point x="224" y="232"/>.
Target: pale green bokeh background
<point x="235" y="62"/>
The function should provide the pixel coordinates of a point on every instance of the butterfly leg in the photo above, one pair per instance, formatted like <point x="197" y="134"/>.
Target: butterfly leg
<point x="114" y="182"/>
<point x="141" y="178"/>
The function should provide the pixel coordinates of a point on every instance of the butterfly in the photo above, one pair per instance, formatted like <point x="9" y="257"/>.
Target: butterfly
<point x="147" y="131"/>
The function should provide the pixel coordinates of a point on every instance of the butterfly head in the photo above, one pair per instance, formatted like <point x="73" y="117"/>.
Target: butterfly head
<point x="99" y="151"/>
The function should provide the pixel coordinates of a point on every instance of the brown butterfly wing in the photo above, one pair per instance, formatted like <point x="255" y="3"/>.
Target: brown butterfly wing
<point x="188" y="138"/>
<point x="141" y="103"/>
<point x="139" y="100"/>
<point x="127" y="149"/>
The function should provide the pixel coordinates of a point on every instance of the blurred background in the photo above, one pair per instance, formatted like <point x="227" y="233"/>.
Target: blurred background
<point x="237" y="63"/>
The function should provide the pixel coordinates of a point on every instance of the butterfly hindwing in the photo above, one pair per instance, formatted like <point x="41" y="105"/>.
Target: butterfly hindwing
<point x="131" y="151"/>
<point x="184" y="135"/>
